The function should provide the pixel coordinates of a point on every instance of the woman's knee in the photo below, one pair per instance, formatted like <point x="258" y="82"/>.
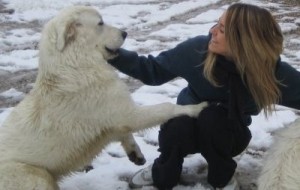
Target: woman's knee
<point x="214" y="127"/>
<point x="213" y="111"/>
<point x="212" y="118"/>
<point x="177" y="132"/>
<point x="214" y="133"/>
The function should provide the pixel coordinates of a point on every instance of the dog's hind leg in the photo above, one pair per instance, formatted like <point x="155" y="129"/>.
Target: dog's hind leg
<point x="19" y="176"/>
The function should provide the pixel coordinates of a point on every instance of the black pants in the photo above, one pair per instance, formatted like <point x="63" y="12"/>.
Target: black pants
<point x="212" y="134"/>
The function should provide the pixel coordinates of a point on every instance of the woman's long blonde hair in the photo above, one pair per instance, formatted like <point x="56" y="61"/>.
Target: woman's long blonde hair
<point x="255" y="42"/>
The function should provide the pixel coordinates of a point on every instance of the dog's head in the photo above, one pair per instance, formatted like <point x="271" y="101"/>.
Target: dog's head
<point x="82" y="28"/>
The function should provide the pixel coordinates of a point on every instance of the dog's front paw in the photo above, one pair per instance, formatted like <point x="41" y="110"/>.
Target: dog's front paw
<point x="133" y="157"/>
<point x="196" y="109"/>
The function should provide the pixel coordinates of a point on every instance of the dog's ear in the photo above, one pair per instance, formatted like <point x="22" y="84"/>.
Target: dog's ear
<point x="65" y="33"/>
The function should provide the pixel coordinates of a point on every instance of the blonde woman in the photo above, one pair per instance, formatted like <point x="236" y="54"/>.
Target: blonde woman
<point x="237" y="68"/>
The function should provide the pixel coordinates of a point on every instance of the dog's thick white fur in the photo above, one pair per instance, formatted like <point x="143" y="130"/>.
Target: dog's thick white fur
<point x="281" y="168"/>
<point x="77" y="106"/>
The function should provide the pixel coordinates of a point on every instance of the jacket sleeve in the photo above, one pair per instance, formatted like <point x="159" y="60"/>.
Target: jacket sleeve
<point x="149" y="69"/>
<point x="157" y="70"/>
<point x="289" y="78"/>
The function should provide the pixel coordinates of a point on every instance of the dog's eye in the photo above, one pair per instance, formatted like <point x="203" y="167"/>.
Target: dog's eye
<point x="100" y="23"/>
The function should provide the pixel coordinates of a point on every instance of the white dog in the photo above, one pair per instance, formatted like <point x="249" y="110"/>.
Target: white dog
<point x="77" y="106"/>
<point x="281" y="170"/>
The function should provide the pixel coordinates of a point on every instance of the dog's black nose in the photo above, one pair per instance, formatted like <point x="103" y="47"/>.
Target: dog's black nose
<point x="124" y="34"/>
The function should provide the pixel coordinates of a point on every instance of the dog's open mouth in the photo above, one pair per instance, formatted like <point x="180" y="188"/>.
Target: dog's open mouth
<point x="112" y="51"/>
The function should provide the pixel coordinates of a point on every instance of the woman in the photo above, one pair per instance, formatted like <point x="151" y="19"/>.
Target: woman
<point x="237" y="68"/>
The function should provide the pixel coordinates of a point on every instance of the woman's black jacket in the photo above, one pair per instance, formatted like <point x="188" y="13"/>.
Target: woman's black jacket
<point x="185" y="61"/>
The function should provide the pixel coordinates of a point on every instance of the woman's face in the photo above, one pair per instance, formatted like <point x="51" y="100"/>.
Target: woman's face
<point x="218" y="43"/>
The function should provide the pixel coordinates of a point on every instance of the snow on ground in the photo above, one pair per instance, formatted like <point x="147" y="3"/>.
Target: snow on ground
<point x="153" y="26"/>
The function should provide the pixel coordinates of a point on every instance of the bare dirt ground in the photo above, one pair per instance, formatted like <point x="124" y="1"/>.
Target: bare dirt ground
<point x="288" y="12"/>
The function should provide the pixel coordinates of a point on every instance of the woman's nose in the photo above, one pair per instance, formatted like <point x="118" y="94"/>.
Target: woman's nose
<point x="213" y="29"/>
